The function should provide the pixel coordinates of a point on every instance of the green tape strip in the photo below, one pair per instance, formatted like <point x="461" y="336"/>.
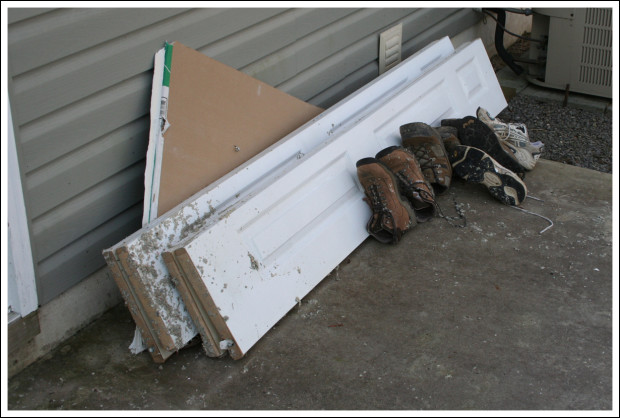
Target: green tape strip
<point x="167" y="65"/>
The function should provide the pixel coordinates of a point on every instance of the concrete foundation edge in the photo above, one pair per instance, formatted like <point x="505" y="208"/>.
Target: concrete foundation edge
<point x="66" y="315"/>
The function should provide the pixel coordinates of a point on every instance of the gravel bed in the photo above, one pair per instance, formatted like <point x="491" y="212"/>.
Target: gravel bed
<point x="571" y="135"/>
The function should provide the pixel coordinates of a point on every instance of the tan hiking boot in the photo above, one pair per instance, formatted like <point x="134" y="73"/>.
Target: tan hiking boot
<point x="426" y="144"/>
<point x="391" y="216"/>
<point x="411" y="182"/>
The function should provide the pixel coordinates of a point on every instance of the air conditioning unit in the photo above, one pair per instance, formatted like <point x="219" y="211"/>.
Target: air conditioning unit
<point x="577" y="56"/>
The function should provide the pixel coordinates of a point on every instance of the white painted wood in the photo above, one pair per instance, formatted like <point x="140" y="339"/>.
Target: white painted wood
<point x="23" y="273"/>
<point x="266" y="251"/>
<point x="145" y="246"/>
<point x="12" y="297"/>
<point x="152" y="171"/>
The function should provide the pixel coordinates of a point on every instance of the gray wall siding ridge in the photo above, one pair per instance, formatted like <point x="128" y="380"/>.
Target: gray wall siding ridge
<point x="321" y="44"/>
<point x="84" y="73"/>
<point x="334" y="67"/>
<point x="84" y="167"/>
<point x="56" y="18"/>
<point x="81" y="122"/>
<point x="419" y="28"/>
<point x="363" y="52"/>
<point x="75" y="76"/>
<point x="457" y="21"/>
<point x="67" y="222"/>
<point x="76" y="30"/>
<point x="83" y="256"/>
<point x="16" y="14"/>
<point x="242" y="48"/>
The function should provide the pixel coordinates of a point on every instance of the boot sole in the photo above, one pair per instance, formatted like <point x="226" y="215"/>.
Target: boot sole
<point x="476" y="166"/>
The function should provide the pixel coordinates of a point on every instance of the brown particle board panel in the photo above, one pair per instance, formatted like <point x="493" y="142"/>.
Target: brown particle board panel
<point x="218" y="119"/>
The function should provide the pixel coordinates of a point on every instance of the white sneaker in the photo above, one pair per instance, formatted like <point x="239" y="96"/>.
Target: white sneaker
<point x="516" y="135"/>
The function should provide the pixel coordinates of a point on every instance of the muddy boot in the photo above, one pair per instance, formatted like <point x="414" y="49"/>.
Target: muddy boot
<point x="426" y="144"/>
<point x="391" y="216"/>
<point x="411" y="182"/>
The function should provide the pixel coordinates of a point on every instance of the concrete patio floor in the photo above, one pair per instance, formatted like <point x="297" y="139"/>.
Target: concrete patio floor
<point x="490" y="316"/>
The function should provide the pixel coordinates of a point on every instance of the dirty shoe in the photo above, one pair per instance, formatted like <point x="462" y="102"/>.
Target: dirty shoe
<point x="411" y="182"/>
<point x="475" y="133"/>
<point x="516" y="135"/>
<point x="391" y="216"/>
<point x="476" y="166"/>
<point x="449" y="137"/>
<point x="426" y="144"/>
<point x="498" y="125"/>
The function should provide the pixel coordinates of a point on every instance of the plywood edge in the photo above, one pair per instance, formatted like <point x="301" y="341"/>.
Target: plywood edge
<point x="203" y="311"/>
<point x="159" y="344"/>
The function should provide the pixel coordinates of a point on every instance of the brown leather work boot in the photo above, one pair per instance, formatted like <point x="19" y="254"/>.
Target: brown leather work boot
<point x="411" y="182"/>
<point x="391" y="217"/>
<point x="426" y="144"/>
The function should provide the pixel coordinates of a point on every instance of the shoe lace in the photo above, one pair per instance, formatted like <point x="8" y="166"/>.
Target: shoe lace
<point x="518" y="135"/>
<point x="516" y="125"/>
<point x="512" y="134"/>
<point x="414" y="186"/>
<point x="378" y="203"/>
<point x="425" y="160"/>
<point x="451" y="219"/>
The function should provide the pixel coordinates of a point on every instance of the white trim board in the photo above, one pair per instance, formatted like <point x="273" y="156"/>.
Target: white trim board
<point x="22" y="273"/>
<point x="152" y="171"/>
<point x="136" y="261"/>
<point x="242" y="272"/>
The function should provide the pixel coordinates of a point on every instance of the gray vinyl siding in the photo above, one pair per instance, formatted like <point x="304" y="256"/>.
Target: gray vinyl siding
<point x="80" y="85"/>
